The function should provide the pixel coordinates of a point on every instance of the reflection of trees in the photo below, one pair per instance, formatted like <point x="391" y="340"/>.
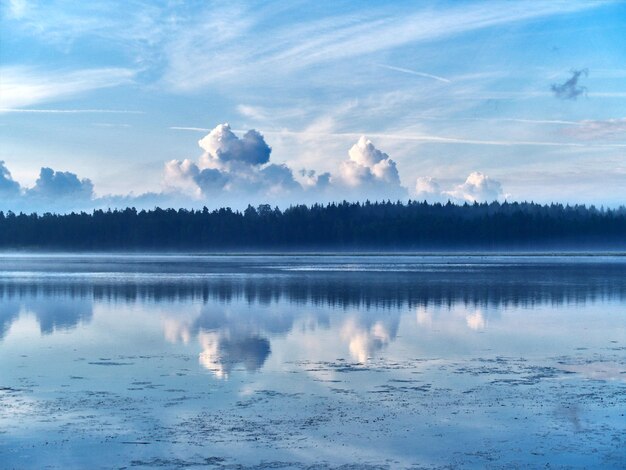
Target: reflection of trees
<point x="373" y="300"/>
<point x="477" y="285"/>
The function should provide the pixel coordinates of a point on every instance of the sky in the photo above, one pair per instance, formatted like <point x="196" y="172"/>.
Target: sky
<point x="185" y="104"/>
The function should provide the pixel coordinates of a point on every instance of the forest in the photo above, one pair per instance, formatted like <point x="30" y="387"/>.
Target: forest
<point x="356" y="226"/>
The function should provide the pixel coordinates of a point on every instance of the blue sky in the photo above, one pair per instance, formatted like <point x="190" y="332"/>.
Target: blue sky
<point x="459" y="100"/>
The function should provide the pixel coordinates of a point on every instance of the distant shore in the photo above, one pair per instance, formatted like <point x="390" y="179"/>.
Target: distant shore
<point x="359" y="228"/>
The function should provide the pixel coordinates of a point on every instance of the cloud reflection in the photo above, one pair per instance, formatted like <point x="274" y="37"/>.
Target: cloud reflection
<point x="62" y="314"/>
<point x="52" y="314"/>
<point x="365" y="336"/>
<point x="221" y="354"/>
<point x="230" y="337"/>
<point x="227" y="338"/>
<point x="476" y="320"/>
<point x="231" y="310"/>
<point x="457" y="317"/>
<point x="9" y="312"/>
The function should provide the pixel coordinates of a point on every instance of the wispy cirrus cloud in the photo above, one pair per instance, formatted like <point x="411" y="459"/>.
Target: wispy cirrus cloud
<point x="445" y="89"/>
<point x="68" y="111"/>
<point x="598" y="129"/>
<point x="26" y="86"/>
<point x="200" y="44"/>
<point x="436" y="139"/>
<point x="16" y="8"/>
<point x="62" y="22"/>
<point x="243" y="39"/>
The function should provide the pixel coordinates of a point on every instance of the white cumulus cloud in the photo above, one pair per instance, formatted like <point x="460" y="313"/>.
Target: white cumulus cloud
<point x="8" y="186"/>
<point x="61" y="184"/>
<point x="427" y="185"/>
<point x="429" y="189"/>
<point x="371" y="169"/>
<point x="478" y="187"/>
<point x="231" y="166"/>
<point x="57" y="191"/>
<point x="235" y="171"/>
<point x="222" y="146"/>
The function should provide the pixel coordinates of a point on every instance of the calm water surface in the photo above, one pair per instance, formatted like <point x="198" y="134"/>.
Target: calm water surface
<point x="312" y="361"/>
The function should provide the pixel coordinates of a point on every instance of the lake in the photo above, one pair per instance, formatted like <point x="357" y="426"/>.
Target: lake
<point x="312" y="361"/>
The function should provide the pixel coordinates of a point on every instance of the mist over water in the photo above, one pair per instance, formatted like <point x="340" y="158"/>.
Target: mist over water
<point x="290" y="361"/>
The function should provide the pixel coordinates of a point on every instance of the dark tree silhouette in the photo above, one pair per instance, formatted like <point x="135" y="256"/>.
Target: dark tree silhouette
<point x="336" y="226"/>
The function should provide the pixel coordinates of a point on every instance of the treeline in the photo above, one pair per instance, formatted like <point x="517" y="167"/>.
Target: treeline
<point x="336" y="226"/>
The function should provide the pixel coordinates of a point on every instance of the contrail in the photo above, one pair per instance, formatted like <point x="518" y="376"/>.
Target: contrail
<point x="419" y="138"/>
<point x="413" y="72"/>
<point x="196" y="129"/>
<point x="439" y="139"/>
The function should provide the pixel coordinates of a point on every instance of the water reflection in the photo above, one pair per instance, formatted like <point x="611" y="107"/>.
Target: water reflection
<point x="366" y="335"/>
<point x="252" y="366"/>
<point x="227" y="337"/>
<point x="9" y="312"/>
<point x="62" y="314"/>
<point x="220" y="353"/>
<point x="476" y="320"/>
<point x="51" y="313"/>
<point x="480" y="285"/>
<point x="232" y="314"/>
